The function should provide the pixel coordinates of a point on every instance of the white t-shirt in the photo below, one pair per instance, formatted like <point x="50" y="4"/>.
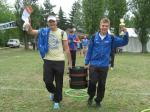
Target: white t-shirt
<point x="102" y="36"/>
<point x="55" y="51"/>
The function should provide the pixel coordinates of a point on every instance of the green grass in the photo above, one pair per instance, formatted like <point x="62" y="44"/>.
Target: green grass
<point x="22" y="88"/>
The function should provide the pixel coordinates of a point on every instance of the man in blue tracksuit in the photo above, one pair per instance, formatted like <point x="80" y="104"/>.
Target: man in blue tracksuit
<point x="98" y="57"/>
<point x="73" y="39"/>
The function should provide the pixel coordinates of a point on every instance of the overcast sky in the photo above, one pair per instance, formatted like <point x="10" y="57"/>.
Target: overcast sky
<point x="65" y="4"/>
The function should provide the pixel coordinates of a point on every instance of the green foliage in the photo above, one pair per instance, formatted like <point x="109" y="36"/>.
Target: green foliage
<point x="78" y="21"/>
<point x="116" y="10"/>
<point x="35" y="21"/>
<point x="62" y="24"/>
<point x="76" y="17"/>
<point x="6" y="15"/>
<point x="48" y="8"/>
<point x="142" y="22"/>
<point x="130" y="22"/>
<point x="18" y="14"/>
<point x="5" y="35"/>
<point x="72" y="15"/>
<point x="37" y="17"/>
<point x="93" y="10"/>
<point x="46" y="11"/>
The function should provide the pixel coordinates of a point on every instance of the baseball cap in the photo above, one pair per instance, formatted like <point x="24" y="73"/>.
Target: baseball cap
<point x="51" y="18"/>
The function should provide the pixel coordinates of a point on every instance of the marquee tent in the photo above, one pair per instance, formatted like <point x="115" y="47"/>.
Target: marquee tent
<point x="134" y="44"/>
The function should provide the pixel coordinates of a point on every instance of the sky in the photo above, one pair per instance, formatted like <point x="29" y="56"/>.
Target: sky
<point x="66" y="5"/>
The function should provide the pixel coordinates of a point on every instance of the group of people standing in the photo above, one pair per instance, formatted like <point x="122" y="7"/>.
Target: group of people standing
<point x="96" y="59"/>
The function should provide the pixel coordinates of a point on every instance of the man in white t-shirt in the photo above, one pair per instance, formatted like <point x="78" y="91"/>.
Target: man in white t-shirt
<point x="54" y="59"/>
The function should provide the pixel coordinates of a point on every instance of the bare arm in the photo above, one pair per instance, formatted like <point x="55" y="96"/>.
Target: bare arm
<point x="66" y="47"/>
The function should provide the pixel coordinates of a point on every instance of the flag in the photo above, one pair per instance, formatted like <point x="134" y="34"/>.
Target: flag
<point x="29" y="9"/>
<point x="26" y="13"/>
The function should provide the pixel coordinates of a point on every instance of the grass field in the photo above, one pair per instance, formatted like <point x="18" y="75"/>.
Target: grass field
<point x="22" y="88"/>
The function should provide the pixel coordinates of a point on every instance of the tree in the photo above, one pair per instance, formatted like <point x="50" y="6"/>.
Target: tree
<point x="93" y="10"/>
<point x="6" y="15"/>
<point x="130" y="21"/>
<point x="72" y="14"/>
<point x="142" y="22"/>
<point x="35" y="18"/>
<point x="78" y="17"/>
<point x="48" y="8"/>
<point x="116" y="10"/>
<point x="62" y="20"/>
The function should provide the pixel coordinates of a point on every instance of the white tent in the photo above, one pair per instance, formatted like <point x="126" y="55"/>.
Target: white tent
<point x="134" y="44"/>
<point x="148" y="45"/>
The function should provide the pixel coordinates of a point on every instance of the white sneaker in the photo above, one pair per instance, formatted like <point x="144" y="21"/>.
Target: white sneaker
<point x="56" y="105"/>
<point x="51" y="96"/>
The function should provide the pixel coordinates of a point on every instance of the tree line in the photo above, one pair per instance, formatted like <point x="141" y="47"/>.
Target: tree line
<point x="84" y="16"/>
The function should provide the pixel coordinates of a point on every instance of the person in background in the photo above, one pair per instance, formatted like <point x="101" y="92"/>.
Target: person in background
<point x="98" y="57"/>
<point x="73" y="40"/>
<point x="79" y="48"/>
<point x="54" y="59"/>
<point x="85" y="43"/>
<point x="112" y="58"/>
<point x="113" y="50"/>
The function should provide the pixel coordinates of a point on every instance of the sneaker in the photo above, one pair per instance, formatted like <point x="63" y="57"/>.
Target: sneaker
<point x="51" y="97"/>
<point x="56" y="105"/>
<point x="90" y="101"/>
<point x="98" y="104"/>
